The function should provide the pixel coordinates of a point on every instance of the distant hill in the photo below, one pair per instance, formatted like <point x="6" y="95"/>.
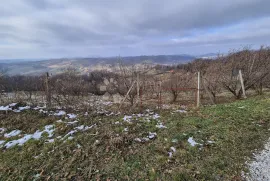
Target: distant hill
<point x="85" y="65"/>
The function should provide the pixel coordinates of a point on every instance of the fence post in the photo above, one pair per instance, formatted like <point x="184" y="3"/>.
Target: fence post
<point x="48" y="90"/>
<point x="138" y="87"/>
<point x="198" y="90"/>
<point x="242" y="84"/>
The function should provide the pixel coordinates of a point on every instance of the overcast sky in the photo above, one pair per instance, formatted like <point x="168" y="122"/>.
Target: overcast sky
<point x="83" y="28"/>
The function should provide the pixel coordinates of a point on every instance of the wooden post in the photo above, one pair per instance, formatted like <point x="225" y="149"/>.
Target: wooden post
<point x="126" y="95"/>
<point x="198" y="90"/>
<point x="242" y="84"/>
<point x="138" y="87"/>
<point x="160" y="96"/>
<point x="48" y="91"/>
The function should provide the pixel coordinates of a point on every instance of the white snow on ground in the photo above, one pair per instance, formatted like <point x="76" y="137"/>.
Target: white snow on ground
<point x="192" y="142"/>
<point x="12" y="133"/>
<point x="78" y="128"/>
<point x="71" y="116"/>
<point x="172" y="150"/>
<point x="72" y="122"/>
<point x="156" y="116"/>
<point x="37" y="135"/>
<point x="160" y="125"/>
<point x="145" y="117"/>
<point x="38" y="107"/>
<point x="60" y="113"/>
<point x="4" y="108"/>
<point x="24" y="108"/>
<point x="12" y="104"/>
<point x="180" y="111"/>
<point x="2" y="130"/>
<point x="50" y="140"/>
<point x="152" y="135"/>
<point x="260" y="167"/>
<point x="84" y="128"/>
<point x="127" y="118"/>
<point x="1" y="142"/>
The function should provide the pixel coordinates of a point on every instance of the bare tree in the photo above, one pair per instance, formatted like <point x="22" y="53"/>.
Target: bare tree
<point x="255" y="66"/>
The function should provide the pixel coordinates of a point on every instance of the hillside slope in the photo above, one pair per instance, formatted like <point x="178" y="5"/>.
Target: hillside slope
<point x="85" y="65"/>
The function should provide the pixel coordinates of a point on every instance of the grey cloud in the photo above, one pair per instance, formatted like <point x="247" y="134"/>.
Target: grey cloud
<point x="81" y="28"/>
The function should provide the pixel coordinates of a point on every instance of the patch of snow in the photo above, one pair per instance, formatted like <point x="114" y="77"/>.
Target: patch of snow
<point x="145" y="139"/>
<point x="174" y="140"/>
<point x="180" y="111"/>
<point x="2" y="130"/>
<point x="50" y="140"/>
<point x="72" y="122"/>
<point x="19" y="142"/>
<point x="126" y="129"/>
<point x="70" y="138"/>
<point x="16" y="110"/>
<point x="12" y="133"/>
<point x="59" y="121"/>
<point x="138" y="140"/>
<point x="42" y="111"/>
<point x="38" y="107"/>
<point x="71" y="116"/>
<point x="160" y="125"/>
<point x="60" y="113"/>
<point x="127" y="118"/>
<point x="191" y="141"/>
<point x="1" y="142"/>
<point x="242" y="107"/>
<point x="156" y="116"/>
<point x="37" y="135"/>
<point x="259" y="169"/>
<point x="173" y="149"/>
<point x="111" y="114"/>
<point x="89" y="127"/>
<point x="80" y="127"/>
<point x="210" y="142"/>
<point x="24" y="108"/>
<point x="70" y="133"/>
<point x="12" y="104"/>
<point x="4" y="108"/>
<point x="152" y="135"/>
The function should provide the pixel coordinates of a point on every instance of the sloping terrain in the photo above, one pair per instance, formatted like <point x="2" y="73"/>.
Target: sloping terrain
<point x="85" y="65"/>
<point x="213" y="143"/>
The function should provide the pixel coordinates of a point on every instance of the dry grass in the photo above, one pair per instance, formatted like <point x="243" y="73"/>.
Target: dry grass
<point x="108" y="152"/>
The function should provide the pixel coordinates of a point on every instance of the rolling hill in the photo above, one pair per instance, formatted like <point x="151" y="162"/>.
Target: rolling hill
<point x="85" y="65"/>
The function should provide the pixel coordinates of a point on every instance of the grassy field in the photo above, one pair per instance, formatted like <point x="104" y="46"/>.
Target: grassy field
<point x="212" y="143"/>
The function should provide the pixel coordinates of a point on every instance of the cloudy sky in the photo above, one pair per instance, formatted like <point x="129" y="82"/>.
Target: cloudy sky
<point x="83" y="28"/>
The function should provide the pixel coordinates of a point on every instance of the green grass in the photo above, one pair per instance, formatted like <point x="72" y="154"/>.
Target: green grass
<point x="107" y="152"/>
